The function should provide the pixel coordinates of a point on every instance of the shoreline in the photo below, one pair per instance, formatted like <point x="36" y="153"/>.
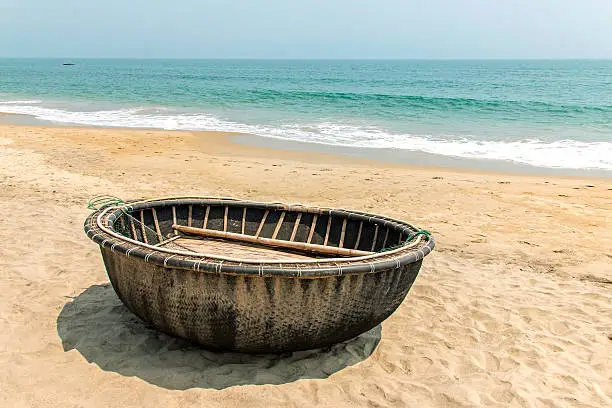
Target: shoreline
<point x="382" y="155"/>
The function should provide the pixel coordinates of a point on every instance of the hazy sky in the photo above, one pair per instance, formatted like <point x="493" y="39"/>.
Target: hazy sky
<point x="307" y="28"/>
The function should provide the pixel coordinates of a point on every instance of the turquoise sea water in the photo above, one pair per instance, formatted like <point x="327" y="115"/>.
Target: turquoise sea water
<point x="542" y="113"/>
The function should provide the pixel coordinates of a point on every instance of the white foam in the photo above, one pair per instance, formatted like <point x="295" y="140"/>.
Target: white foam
<point x="569" y="154"/>
<point x="24" y="102"/>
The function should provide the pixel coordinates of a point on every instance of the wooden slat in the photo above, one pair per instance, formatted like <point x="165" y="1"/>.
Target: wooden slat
<point x="386" y="237"/>
<point x="159" y="234"/>
<point x="122" y="221"/>
<point x="277" y="243"/>
<point x="189" y="215"/>
<point x="174" y="215"/>
<point x="142" y="227"/>
<point x="295" y="226"/>
<point x="329" y="220"/>
<point x="375" y="236"/>
<point x="133" y="228"/>
<point x="261" y="224"/>
<point x="162" y="243"/>
<point x="278" y="225"/>
<point x="205" y="222"/>
<point x="243" y="219"/>
<point x="225" y="219"/>
<point x="359" y="235"/>
<point x="341" y="245"/>
<point x="312" y="227"/>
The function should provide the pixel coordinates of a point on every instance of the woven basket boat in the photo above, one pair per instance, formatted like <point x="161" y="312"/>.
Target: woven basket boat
<point x="343" y="273"/>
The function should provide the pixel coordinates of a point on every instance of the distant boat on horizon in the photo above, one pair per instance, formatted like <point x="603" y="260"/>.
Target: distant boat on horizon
<point x="68" y="63"/>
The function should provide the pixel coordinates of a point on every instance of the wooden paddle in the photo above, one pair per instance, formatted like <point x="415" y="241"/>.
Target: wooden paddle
<point x="278" y="243"/>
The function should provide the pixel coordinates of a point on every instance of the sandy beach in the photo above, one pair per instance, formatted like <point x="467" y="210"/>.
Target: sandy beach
<point x="513" y="308"/>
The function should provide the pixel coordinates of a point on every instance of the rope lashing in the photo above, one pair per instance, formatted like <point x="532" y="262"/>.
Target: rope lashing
<point x="102" y="201"/>
<point x="412" y="236"/>
<point x="425" y="233"/>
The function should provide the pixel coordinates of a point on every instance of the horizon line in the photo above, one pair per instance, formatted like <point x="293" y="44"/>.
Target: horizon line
<point x="319" y="58"/>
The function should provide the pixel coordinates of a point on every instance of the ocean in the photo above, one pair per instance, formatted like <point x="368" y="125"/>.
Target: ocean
<point x="552" y="114"/>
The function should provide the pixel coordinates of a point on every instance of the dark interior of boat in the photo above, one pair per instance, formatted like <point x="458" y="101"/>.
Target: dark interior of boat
<point x="258" y="233"/>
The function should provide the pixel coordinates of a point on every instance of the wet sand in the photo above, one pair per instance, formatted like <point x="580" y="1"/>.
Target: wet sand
<point x="513" y="309"/>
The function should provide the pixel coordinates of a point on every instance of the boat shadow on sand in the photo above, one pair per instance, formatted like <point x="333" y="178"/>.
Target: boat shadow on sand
<point x="106" y="333"/>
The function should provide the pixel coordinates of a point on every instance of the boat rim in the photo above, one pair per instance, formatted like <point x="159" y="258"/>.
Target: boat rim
<point x="97" y="228"/>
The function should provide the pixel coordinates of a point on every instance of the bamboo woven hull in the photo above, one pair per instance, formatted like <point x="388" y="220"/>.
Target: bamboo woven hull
<point x="253" y="314"/>
<point x="231" y="296"/>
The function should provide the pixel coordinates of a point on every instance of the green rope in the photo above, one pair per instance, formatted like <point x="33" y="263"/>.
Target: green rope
<point x="102" y="201"/>
<point x="412" y="236"/>
<point x="425" y="233"/>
